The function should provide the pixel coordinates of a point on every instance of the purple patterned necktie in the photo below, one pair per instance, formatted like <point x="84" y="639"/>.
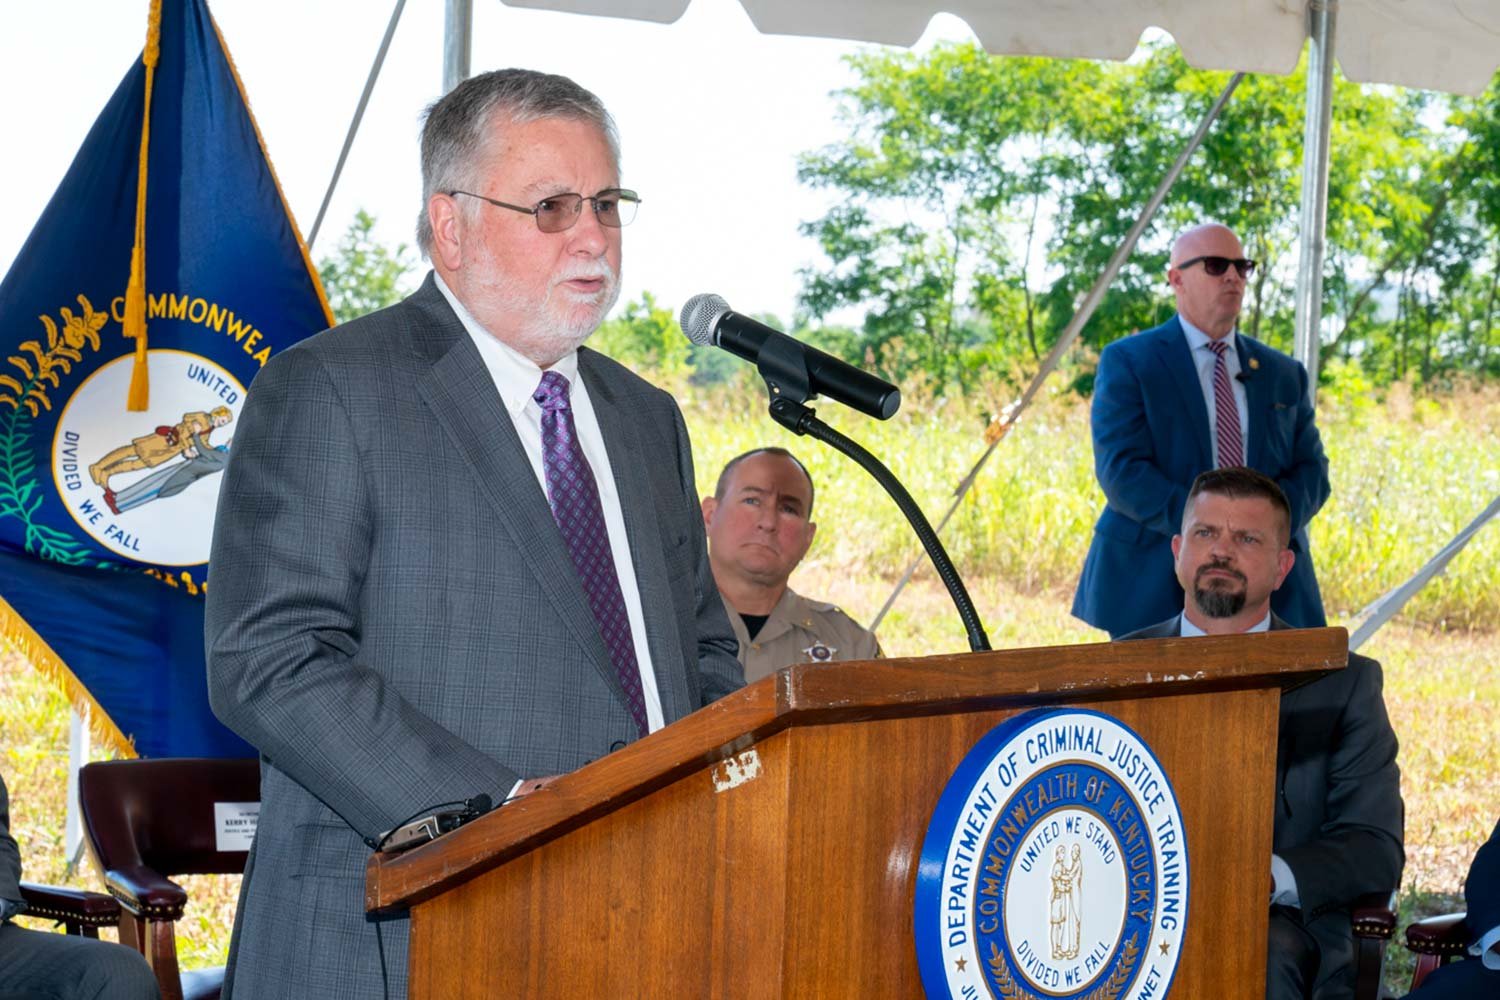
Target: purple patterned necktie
<point x="1226" y="413"/>
<point x="574" y="498"/>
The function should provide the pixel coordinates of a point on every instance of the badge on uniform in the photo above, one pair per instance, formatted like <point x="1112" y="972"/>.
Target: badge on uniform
<point x="819" y="652"/>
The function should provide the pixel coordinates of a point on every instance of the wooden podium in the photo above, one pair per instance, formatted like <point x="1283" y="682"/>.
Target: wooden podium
<point x="766" y="846"/>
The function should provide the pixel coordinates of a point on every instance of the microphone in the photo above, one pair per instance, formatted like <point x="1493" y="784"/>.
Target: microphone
<point x="707" y="319"/>
<point x="1242" y="377"/>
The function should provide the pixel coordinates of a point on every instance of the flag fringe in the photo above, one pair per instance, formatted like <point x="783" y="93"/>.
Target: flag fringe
<point x="18" y="634"/>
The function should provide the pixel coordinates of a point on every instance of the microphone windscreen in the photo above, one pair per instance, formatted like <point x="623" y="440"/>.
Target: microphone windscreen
<point x="700" y="315"/>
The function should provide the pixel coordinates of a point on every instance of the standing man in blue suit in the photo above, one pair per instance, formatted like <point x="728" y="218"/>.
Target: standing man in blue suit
<point x="1190" y="395"/>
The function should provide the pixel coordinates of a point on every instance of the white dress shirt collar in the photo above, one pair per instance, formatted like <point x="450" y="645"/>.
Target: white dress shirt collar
<point x="516" y="376"/>
<point x="1197" y="339"/>
<point x="1188" y="629"/>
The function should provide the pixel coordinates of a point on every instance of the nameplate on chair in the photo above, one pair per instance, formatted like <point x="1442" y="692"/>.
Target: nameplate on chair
<point x="234" y="825"/>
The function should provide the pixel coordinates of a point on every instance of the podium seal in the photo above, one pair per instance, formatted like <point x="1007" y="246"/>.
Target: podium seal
<point x="1055" y="867"/>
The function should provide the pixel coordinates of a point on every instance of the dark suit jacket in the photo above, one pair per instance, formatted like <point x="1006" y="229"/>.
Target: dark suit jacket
<point x="394" y="621"/>
<point x="10" y="854"/>
<point x="1482" y="888"/>
<point x="1469" y="979"/>
<point x="1151" y="439"/>
<point x="1339" y="817"/>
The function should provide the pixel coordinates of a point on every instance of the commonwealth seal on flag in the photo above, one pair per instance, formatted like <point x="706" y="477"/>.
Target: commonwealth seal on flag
<point x="161" y="277"/>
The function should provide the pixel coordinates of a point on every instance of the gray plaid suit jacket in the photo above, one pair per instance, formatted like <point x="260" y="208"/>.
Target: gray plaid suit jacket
<point x="393" y="619"/>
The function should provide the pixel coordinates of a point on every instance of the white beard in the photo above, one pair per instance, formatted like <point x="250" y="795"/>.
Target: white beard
<point x="558" y="324"/>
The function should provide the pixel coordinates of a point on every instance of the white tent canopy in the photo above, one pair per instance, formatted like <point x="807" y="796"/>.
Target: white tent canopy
<point x="1451" y="45"/>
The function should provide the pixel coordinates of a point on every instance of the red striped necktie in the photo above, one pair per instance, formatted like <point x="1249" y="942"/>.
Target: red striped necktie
<point x="1226" y="413"/>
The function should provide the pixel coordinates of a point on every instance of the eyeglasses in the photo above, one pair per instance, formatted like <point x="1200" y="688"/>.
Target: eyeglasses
<point x="613" y="207"/>
<point x="1215" y="266"/>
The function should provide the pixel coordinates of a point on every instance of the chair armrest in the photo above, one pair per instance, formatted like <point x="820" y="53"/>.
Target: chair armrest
<point x="72" y="906"/>
<point x="1374" y="915"/>
<point x="1446" y="935"/>
<point x="145" y="893"/>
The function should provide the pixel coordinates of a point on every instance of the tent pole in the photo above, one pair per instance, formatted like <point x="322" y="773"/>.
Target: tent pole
<point x="1384" y="608"/>
<point x="1322" y="19"/>
<point x="458" y="38"/>
<point x="1003" y="423"/>
<point x="359" y="114"/>
<point x="78" y="755"/>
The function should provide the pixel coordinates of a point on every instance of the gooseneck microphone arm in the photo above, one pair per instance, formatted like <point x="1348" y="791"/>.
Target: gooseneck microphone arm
<point x="800" y="419"/>
<point x="783" y="363"/>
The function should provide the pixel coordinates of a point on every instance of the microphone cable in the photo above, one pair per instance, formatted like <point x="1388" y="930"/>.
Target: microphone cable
<point x="475" y="806"/>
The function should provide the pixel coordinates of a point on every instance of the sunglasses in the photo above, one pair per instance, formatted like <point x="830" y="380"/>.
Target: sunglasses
<point x="1215" y="267"/>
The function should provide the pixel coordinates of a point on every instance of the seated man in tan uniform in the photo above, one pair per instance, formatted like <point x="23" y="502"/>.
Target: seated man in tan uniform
<point x="759" y="523"/>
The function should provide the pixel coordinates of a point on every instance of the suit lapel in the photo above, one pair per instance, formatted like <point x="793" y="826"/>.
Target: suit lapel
<point x="461" y="395"/>
<point x="630" y="464"/>
<point x="1286" y="740"/>
<point x="1257" y="400"/>
<point x="1177" y="362"/>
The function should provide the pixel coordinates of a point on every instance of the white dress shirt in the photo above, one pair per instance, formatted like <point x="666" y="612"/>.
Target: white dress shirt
<point x="1203" y="360"/>
<point x="516" y="378"/>
<point x="1487" y="948"/>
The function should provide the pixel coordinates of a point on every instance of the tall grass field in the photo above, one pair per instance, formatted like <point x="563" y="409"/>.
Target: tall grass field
<point x="1408" y="473"/>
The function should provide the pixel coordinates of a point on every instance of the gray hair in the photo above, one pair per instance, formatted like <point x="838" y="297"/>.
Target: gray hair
<point x="457" y="128"/>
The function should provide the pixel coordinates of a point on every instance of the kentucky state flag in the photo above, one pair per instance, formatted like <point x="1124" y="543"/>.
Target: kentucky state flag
<point x="106" y="512"/>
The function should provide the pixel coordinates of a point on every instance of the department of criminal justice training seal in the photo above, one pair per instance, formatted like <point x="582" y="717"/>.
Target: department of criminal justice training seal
<point x="1055" y="866"/>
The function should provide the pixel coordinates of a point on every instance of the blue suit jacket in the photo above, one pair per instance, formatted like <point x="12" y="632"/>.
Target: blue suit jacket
<point x="1469" y="979"/>
<point x="1151" y="439"/>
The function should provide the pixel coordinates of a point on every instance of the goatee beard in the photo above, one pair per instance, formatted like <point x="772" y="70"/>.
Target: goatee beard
<point x="1219" y="603"/>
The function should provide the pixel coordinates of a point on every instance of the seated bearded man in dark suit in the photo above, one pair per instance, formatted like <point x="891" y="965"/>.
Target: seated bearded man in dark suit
<point x="1337" y="801"/>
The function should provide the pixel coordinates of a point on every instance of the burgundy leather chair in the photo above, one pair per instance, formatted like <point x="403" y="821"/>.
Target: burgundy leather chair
<point x="1374" y="920"/>
<point x="79" y="911"/>
<point x="147" y="820"/>
<point x="1436" y="940"/>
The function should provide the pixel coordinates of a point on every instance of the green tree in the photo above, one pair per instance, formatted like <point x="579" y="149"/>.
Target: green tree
<point x="945" y="173"/>
<point x="363" y="275"/>
<point x="956" y="163"/>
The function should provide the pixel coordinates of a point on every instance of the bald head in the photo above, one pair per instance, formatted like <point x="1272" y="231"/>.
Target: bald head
<point x="1209" y="239"/>
<point x="1210" y="302"/>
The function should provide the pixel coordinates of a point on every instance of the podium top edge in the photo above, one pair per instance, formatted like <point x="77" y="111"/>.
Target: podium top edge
<point x="852" y="692"/>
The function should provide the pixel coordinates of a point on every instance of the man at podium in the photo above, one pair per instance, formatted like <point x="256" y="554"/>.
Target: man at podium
<point x="456" y="549"/>
<point x="1337" y="802"/>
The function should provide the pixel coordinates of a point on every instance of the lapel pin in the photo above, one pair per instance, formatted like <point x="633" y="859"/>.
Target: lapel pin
<point x="1254" y="363"/>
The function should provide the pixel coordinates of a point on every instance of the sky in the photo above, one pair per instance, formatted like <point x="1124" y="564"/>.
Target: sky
<point x="712" y="116"/>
